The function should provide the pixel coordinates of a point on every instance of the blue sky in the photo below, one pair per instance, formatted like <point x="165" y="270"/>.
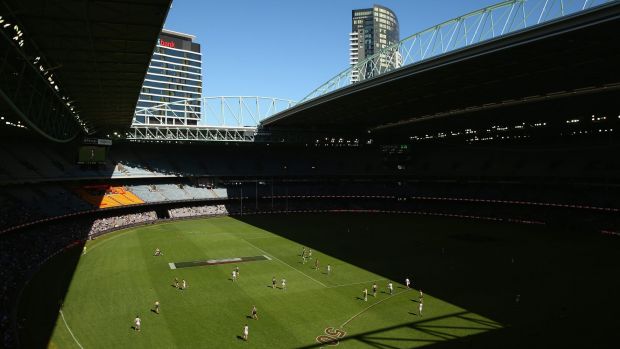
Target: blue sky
<point x="286" y="48"/>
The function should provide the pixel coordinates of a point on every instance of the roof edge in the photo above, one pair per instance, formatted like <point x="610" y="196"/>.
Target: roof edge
<point x="168" y="31"/>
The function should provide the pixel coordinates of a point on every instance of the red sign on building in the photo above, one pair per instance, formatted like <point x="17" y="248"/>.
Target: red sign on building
<point x="166" y="43"/>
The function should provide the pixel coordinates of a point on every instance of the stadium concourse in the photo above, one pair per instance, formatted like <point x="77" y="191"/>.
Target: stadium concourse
<point x="485" y="171"/>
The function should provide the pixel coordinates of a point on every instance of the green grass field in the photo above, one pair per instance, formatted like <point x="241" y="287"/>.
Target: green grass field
<point x="119" y="277"/>
<point x="468" y="271"/>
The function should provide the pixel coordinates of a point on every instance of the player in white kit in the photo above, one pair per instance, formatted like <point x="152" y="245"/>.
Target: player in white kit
<point x="136" y="323"/>
<point x="245" y="332"/>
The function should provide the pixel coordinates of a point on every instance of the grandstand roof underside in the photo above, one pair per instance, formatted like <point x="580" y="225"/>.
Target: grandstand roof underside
<point x="564" y="65"/>
<point x="99" y="50"/>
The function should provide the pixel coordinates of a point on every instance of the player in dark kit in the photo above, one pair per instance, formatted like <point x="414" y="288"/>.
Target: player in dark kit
<point x="273" y="282"/>
<point x="254" y="313"/>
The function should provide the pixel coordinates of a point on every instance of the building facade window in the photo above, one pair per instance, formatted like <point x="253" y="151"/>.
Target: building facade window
<point x="174" y="76"/>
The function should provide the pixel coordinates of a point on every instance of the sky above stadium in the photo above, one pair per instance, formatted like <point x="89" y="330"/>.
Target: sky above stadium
<point x="287" y="48"/>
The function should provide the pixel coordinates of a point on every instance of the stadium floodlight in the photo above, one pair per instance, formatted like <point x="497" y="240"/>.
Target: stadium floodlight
<point x="7" y="25"/>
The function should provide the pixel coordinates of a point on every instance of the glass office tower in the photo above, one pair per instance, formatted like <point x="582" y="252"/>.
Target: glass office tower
<point x="373" y="29"/>
<point x="174" y="76"/>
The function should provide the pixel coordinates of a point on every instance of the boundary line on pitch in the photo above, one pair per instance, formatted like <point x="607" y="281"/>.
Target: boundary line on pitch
<point x="70" y="332"/>
<point x="372" y="305"/>
<point x="283" y="262"/>
<point x="356" y="283"/>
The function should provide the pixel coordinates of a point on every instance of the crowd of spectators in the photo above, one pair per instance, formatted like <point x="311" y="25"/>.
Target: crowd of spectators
<point x="204" y="210"/>
<point x="103" y="224"/>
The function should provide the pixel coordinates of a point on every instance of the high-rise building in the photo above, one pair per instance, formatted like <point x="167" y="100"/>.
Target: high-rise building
<point x="174" y="76"/>
<point x="373" y="29"/>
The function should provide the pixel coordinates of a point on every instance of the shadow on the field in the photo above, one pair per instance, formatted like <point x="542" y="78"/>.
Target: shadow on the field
<point x="43" y="298"/>
<point x="482" y="276"/>
<point x="429" y="331"/>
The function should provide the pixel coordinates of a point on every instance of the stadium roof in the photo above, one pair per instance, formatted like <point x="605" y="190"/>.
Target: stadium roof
<point x="99" y="51"/>
<point x="559" y="61"/>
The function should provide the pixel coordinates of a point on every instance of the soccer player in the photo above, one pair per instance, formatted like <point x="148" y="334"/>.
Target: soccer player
<point x="237" y="270"/>
<point x="254" y="313"/>
<point x="136" y="323"/>
<point x="157" y="307"/>
<point x="273" y="282"/>
<point x="420" y="307"/>
<point x="234" y="275"/>
<point x="316" y="264"/>
<point x="245" y="332"/>
<point x="390" y="287"/>
<point x="329" y="269"/>
<point x="407" y="282"/>
<point x="157" y="252"/>
<point x="183" y="284"/>
<point x="303" y="252"/>
<point x="284" y="284"/>
<point x="374" y="289"/>
<point x="365" y="293"/>
<point x="176" y="282"/>
<point x="309" y="253"/>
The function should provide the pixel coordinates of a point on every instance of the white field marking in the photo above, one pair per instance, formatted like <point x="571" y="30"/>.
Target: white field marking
<point x="104" y="241"/>
<point x="356" y="283"/>
<point x="372" y="305"/>
<point x="262" y="237"/>
<point x="283" y="262"/>
<point x="70" y="332"/>
<point x="172" y="265"/>
<point x="266" y="257"/>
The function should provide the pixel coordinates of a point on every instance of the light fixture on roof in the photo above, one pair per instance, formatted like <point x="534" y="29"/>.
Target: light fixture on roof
<point x="7" y="25"/>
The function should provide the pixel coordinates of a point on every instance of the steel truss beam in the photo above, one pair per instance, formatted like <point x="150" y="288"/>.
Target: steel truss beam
<point x="220" y="111"/>
<point x="191" y="133"/>
<point x="29" y="90"/>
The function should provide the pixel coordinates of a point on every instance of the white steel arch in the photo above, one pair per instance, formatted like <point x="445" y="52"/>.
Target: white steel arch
<point x="475" y="27"/>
